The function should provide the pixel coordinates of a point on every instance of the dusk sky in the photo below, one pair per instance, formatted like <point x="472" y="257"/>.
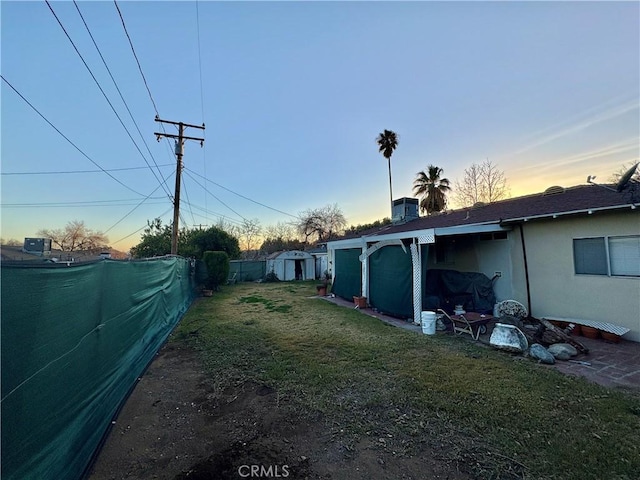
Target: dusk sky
<point x="294" y="94"/>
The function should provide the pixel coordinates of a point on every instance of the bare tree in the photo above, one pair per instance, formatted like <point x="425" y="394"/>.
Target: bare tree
<point x="469" y="191"/>
<point x="615" y="178"/>
<point x="12" y="242"/>
<point x="227" y="226"/>
<point x="75" y="236"/>
<point x="282" y="230"/>
<point x="321" y="224"/>
<point x="249" y="232"/>
<point x="481" y="183"/>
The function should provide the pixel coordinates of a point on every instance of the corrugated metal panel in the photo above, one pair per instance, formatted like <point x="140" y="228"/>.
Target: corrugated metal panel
<point x="605" y="326"/>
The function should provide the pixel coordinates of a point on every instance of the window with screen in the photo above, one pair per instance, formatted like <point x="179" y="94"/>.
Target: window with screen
<point x="624" y="255"/>
<point x="590" y="256"/>
<point x="614" y="256"/>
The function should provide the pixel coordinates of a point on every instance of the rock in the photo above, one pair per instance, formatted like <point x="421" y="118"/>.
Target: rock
<point x="509" y="338"/>
<point x="562" y="351"/>
<point x="551" y="337"/>
<point x="538" y="352"/>
<point x="511" y="320"/>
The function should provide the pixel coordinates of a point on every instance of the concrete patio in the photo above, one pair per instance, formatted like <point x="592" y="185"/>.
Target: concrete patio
<point x="608" y="364"/>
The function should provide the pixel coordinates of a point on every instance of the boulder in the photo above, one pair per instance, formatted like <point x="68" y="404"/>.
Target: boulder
<point x="540" y="353"/>
<point x="562" y="351"/>
<point x="509" y="338"/>
<point x="511" y="320"/>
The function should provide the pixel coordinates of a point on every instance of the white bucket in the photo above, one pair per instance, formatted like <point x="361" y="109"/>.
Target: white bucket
<point x="428" y="323"/>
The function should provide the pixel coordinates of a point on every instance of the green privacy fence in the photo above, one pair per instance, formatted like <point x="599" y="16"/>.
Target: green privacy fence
<point x="74" y="341"/>
<point x="247" y="270"/>
<point x="348" y="273"/>
<point x="390" y="281"/>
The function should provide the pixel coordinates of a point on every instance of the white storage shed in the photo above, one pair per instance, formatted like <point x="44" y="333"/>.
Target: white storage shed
<point x="291" y="265"/>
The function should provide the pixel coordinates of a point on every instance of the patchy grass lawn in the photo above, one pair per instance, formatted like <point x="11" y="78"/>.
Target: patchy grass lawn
<point x="494" y="415"/>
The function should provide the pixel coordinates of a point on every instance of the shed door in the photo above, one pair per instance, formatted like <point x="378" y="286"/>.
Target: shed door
<point x="289" y="269"/>
<point x="299" y="266"/>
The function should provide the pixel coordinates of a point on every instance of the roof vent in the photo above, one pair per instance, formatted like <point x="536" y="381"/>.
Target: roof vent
<point x="479" y="204"/>
<point x="554" y="190"/>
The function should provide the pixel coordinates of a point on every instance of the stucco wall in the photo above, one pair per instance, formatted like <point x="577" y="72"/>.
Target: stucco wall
<point x="495" y="256"/>
<point x="461" y="254"/>
<point x="518" y="274"/>
<point x="557" y="291"/>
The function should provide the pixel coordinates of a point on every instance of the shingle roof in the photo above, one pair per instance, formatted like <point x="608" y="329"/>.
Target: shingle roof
<point x="576" y="199"/>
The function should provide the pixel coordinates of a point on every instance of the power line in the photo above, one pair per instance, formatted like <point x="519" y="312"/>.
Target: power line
<point x="200" y="59"/>
<point x="133" y="209"/>
<point x="204" y="152"/>
<point x="65" y="172"/>
<point x="141" y="228"/>
<point x="71" y="205"/>
<point x="219" y="215"/>
<point x="99" y="86"/>
<point x="67" y="138"/>
<point x="240" y="195"/>
<point x="136" y="57"/>
<point x="184" y="222"/>
<point x="184" y="187"/>
<point x="85" y="203"/>
<point x="205" y="189"/>
<point x="125" y="104"/>
<point x="144" y="79"/>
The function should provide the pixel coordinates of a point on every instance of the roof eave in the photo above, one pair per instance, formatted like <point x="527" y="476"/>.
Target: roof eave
<point x="587" y="211"/>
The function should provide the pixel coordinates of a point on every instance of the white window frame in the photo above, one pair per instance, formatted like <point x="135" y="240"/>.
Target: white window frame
<point x="619" y="237"/>
<point x="607" y="253"/>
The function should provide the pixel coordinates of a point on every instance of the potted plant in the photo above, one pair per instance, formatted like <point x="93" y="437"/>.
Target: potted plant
<point x="361" y="302"/>
<point x="323" y="287"/>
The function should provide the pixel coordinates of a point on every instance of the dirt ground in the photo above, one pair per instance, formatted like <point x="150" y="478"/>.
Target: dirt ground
<point x="176" y="426"/>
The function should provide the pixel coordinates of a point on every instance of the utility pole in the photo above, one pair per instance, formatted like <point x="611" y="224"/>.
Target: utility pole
<point x="179" y="139"/>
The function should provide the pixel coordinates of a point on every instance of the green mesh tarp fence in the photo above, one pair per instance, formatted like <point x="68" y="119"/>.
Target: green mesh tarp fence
<point x="390" y="283"/>
<point x="74" y="341"/>
<point x="247" y="271"/>
<point x="348" y="273"/>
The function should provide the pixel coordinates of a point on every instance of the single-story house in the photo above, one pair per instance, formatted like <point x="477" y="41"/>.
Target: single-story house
<point x="291" y="265"/>
<point x="566" y="253"/>
<point x="319" y="254"/>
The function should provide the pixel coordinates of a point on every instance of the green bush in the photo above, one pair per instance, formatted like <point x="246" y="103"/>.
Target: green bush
<point x="271" y="277"/>
<point x="156" y="241"/>
<point x="217" y="267"/>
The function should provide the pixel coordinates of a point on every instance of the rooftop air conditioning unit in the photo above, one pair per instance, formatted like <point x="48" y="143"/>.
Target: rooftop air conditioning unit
<point x="404" y="210"/>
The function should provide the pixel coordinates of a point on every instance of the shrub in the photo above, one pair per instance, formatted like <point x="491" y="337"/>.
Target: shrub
<point x="217" y="267"/>
<point x="271" y="277"/>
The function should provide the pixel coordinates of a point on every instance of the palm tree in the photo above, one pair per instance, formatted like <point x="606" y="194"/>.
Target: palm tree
<point x="388" y="142"/>
<point x="433" y="189"/>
